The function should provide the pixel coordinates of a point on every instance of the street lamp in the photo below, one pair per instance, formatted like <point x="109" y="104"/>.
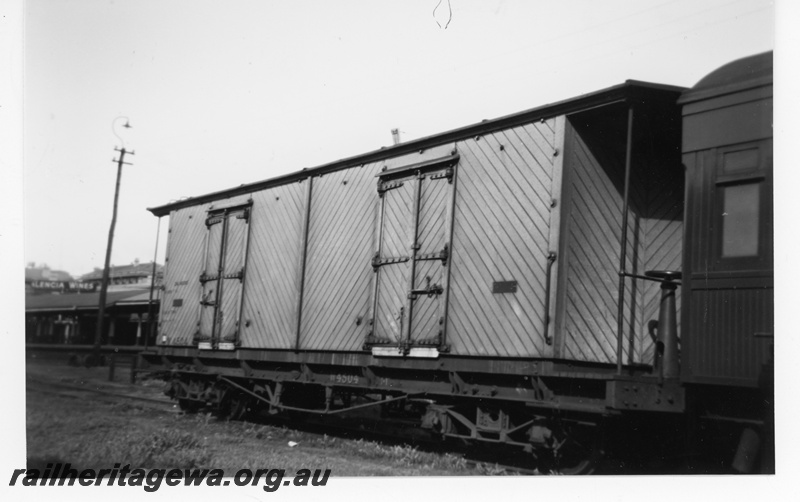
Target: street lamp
<point x="126" y="125"/>
<point x="98" y="337"/>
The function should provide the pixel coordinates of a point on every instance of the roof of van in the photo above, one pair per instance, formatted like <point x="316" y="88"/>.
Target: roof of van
<point x="736" y="76"/>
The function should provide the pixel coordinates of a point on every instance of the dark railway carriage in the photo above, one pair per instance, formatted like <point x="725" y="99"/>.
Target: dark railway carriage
<point x="513" y="281"/>
<point x="728" y="302"/>
<point x="727" y="150"/>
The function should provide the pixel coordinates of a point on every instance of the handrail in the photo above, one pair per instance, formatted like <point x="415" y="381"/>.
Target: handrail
<point x="624" y="238"/>
<point x="649" y="278"/>
<point x="551" y="259"/>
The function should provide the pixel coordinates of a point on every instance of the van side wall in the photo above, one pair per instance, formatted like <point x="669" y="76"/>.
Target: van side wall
<point x="505" y="224"/>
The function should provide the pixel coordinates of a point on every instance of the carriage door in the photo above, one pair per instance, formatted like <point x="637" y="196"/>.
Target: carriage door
<point x="223" y="276"/>
<point x="412" y="259"/>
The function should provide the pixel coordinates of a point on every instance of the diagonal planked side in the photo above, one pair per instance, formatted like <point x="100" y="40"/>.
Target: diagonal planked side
<point x="663" y="248"/>
<point x="396" y="236"/>
<point x="209" y="299"/>
<point x="501" y="232"/>
<point x="595" y="180"/>
<point x="592" y="253"/>
<point x="228" y="312"/>
<point x="184" y="263"/>
<point x="273" y="268"/>
<point x="435" y="196"/>
<point x="180" y="305"/>
<point x="337" y="297"/>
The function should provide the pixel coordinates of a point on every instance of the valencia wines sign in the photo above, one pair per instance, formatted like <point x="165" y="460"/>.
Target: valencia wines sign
<point x="65" y="286"/>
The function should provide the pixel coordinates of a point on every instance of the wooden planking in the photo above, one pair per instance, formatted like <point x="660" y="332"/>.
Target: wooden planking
<point x="229" y="310"/>
<point x="180" y="305"/>
<point x="213" y="250"/>
<point x="337" y="296"/>
<point x="232" y="288"/>
<point x="700" y="209"/>
<point x="433" y="223"/>
<point x="663" y="243"/>
<point x="273" y="269"/>
<point x="396" y="235"/>
<point x="398" y="206"/>
<point x="591" y="253"/>
<point x="391" y="314"/>
<point x="725" y="344"/>
<point x="225" y="256"/>
<point x="501" y="233"/>
<point x="185" y="261"/>
<point x="427" y="310"/>
<point x="435" y="197"/>
<point x="212" y="257"/>
<point x="235" y="243"/>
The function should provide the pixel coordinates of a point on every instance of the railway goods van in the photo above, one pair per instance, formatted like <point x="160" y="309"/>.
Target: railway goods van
<point x="553" y="279"/>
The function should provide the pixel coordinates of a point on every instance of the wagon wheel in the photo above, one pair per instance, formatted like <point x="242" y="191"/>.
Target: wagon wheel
<point x="233" y="405"/>
<point x="578" y="452"/>
<point x="238" y="406"/>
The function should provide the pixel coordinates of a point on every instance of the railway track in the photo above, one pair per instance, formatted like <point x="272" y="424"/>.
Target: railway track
<point x="81" y="391"/>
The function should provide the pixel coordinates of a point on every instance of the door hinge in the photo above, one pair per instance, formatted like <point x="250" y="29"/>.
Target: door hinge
<point x="447" y="173"/>
<point x="378" y="262"/>
<point x="441" y="255"/>
<point x="385" y="186"/>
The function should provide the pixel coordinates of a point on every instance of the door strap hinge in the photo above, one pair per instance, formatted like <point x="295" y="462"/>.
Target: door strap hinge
<point x="208" y="278"/>
<point x="447" y="173"/>
<point x="443" y="255"/>
<point x="378" y="262"/>
<point x="385" y="186"/>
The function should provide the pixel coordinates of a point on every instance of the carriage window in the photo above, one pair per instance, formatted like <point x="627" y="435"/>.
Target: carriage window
<point x="740" y="220"/>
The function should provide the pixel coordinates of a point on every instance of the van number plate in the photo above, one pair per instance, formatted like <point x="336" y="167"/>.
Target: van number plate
<point x="345" y="379"/>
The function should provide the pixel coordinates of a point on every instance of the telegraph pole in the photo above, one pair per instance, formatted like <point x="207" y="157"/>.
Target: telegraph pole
<point x="98" y="337"/>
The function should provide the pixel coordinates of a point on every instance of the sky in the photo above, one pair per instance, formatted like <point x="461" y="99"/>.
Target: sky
<point x="220" y="93"/>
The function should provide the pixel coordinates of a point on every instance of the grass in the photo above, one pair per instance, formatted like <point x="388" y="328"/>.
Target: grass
<point x="96" y="435"/>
